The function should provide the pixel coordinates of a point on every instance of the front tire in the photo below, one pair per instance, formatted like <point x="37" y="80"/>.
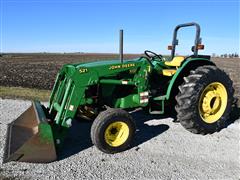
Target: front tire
<point x="113" y="131"/>
<point x="204" y="100"/>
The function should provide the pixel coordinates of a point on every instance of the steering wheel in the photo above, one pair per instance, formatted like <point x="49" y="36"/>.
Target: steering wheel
<point x="149" y="53"/>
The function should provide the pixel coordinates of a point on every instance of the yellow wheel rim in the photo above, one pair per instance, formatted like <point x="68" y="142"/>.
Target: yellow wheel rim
<point x="116" y="133"/>
<point x="213" y="102"/>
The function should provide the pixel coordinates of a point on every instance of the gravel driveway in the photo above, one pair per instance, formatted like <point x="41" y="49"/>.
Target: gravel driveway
<point x="162" y="150"/>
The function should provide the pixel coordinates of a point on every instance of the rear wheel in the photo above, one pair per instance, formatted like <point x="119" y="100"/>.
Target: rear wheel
<point x="204" y="100"/>
<point x="113" y="131"/>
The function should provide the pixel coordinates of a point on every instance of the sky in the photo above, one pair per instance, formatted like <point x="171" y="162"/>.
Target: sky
<point x="93" y="25"/>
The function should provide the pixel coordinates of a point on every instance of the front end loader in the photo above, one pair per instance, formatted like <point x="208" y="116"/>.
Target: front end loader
<point x="104" y="92"/>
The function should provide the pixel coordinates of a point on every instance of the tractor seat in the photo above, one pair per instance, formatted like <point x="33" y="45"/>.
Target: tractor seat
<point x="175" y="62"/>
<point x="168" y="72"/>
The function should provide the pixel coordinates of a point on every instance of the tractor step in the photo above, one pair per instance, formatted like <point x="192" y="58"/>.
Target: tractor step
<point x="158" y="102"/>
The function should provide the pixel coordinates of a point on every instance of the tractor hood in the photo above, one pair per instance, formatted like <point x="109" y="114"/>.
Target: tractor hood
<point x="102" y="68"/>
<point x="105" y="63"/>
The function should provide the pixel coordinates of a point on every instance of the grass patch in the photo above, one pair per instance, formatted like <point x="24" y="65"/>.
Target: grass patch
<point x="24" y="93"/>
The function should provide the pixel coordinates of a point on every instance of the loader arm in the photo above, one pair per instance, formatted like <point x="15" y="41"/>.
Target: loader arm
<point x="73" y="82"/>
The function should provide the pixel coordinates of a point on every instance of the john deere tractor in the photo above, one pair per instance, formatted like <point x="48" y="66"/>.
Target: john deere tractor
<point x="105" y="91"/>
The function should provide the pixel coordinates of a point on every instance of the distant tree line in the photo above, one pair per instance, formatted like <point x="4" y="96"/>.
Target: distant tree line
<point x="230" y="55"/>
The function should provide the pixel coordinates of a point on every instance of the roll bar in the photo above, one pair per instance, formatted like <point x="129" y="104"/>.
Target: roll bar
<point x="197" y="38"/>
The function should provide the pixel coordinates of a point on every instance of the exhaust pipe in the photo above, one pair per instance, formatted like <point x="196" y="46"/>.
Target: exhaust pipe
<point x="121" y="45"/>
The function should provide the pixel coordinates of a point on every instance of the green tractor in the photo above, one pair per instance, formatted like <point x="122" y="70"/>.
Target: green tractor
<point x="105" y="91"/>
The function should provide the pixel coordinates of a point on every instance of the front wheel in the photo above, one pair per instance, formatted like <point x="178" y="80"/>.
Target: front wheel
<point x="113" y="131"/>
<point x="204" y="100"/>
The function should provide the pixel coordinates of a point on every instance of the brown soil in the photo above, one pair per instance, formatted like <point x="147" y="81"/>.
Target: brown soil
<point x="39" y="70"/>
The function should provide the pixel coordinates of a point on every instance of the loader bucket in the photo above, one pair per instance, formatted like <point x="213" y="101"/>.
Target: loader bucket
<point x="30" y="138"/>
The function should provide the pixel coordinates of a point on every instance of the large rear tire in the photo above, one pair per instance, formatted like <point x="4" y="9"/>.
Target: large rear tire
<point x="113" y="131"/>
<point x="204" y="100"/>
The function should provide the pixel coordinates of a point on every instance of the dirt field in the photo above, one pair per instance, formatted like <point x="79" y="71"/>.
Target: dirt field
<point x="39" y="70"/>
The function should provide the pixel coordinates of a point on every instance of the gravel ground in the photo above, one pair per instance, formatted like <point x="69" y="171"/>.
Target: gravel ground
<point x="162" y="150"/>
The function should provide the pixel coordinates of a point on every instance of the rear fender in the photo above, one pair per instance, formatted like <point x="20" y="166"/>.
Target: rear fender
<point x="184" y="70"/>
